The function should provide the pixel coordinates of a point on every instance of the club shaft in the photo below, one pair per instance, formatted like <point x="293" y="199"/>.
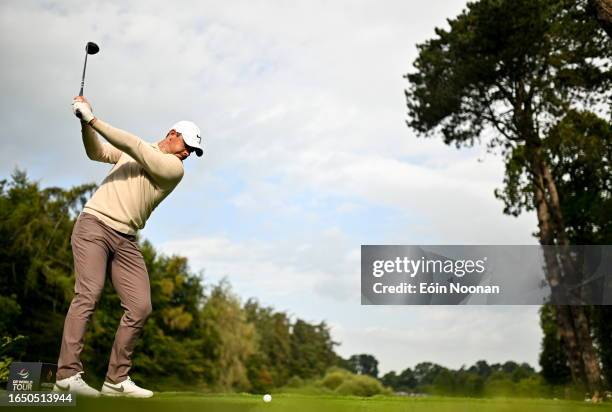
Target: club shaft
<point x="83" y="78"/>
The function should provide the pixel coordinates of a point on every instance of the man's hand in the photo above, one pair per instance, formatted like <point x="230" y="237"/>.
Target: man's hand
<point x="82" y="109"/>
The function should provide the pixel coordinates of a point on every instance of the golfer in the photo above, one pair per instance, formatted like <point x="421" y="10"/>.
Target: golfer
<point x="104" y="236"/>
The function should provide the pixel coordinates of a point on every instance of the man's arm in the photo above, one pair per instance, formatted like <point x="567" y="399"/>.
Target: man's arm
<point x="165" y="170"/>
<point x="101" y="152"/>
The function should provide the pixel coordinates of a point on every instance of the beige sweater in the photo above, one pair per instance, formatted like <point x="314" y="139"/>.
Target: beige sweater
<point x="140" y="179"/>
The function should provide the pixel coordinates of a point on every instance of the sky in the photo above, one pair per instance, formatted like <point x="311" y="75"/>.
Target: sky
<point x="307" y="153"/>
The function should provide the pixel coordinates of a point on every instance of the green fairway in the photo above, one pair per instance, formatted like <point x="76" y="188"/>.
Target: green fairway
<point x="185" y="401"/>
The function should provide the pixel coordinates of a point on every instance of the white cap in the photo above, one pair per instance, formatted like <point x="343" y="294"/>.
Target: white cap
<point x="191" y="135"/>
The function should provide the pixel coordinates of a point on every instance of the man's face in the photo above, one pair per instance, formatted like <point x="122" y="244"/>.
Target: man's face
<point x="176" y="145"/>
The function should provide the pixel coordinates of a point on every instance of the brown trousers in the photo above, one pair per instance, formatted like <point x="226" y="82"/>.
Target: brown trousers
<point x="95" y="246"/>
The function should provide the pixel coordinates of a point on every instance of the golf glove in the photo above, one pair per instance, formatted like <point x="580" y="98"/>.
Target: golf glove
<point x="83" y="111"/>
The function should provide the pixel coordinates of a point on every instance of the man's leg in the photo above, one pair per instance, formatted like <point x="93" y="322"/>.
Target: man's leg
<point x="131" y="281"/>
<point x="91" y="250"/>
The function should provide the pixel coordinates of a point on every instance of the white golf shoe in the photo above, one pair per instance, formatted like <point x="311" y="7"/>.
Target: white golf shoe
<point x="75" y="384"/>
<point x="125" y="388"/>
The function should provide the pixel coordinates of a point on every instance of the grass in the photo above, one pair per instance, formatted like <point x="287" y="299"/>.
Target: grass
<point x="189" y="401"/>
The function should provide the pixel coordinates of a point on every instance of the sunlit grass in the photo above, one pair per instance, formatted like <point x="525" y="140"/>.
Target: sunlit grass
<point x="189" y="401"/>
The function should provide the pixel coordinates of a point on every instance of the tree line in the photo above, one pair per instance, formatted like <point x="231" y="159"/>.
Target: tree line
<point x="479" y="380"/>
<point x="508" y="379"/>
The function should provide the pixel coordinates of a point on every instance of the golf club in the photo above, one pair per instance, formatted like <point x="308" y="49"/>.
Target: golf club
<point x="90" y="48"/>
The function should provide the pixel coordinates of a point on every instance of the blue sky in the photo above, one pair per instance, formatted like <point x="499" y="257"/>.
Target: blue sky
<point x="307" y="153"/>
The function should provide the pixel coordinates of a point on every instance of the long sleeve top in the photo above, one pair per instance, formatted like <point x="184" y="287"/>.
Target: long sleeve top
<point x="142" y="176"/>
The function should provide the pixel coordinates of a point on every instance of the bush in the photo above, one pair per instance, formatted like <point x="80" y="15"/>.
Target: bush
<point x="532" y="387"/>
<point x="295" y="382"/>
<point x="361" y="385"/>
<point x="333" y="379"/>
<point x="500" y="387"/>
<point x="344" y="382"/>
<point x="10" y="347"/>
<point x="337" y="381"/>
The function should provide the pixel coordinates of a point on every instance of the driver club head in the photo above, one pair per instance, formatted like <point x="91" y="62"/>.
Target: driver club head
<point x="92" y="48"/>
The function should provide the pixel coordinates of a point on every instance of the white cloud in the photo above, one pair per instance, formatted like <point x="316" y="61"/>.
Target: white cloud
<point x="279" y="269"/>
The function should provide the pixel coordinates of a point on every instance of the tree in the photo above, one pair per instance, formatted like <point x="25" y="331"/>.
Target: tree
<point x="469" y="383"/>
<point x="226" y="323"/>
<point x="602" y="11"/>
<point x="406" y="381"/>
<point x="603" y="336"/>
<point x="269" y="366"/>
<point x="390" y="379"/>
<point x="36" y="261"/>
<point x="425" y="373"/>
<point x="579" y="149"/>
<point x="506" y="72"/>
<point x="311" y="349"/>
<point x="481" y="368"/>
<point x="364" y="364"/>
<point x="444" y="382"/>
<point x="552" y="357"/>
